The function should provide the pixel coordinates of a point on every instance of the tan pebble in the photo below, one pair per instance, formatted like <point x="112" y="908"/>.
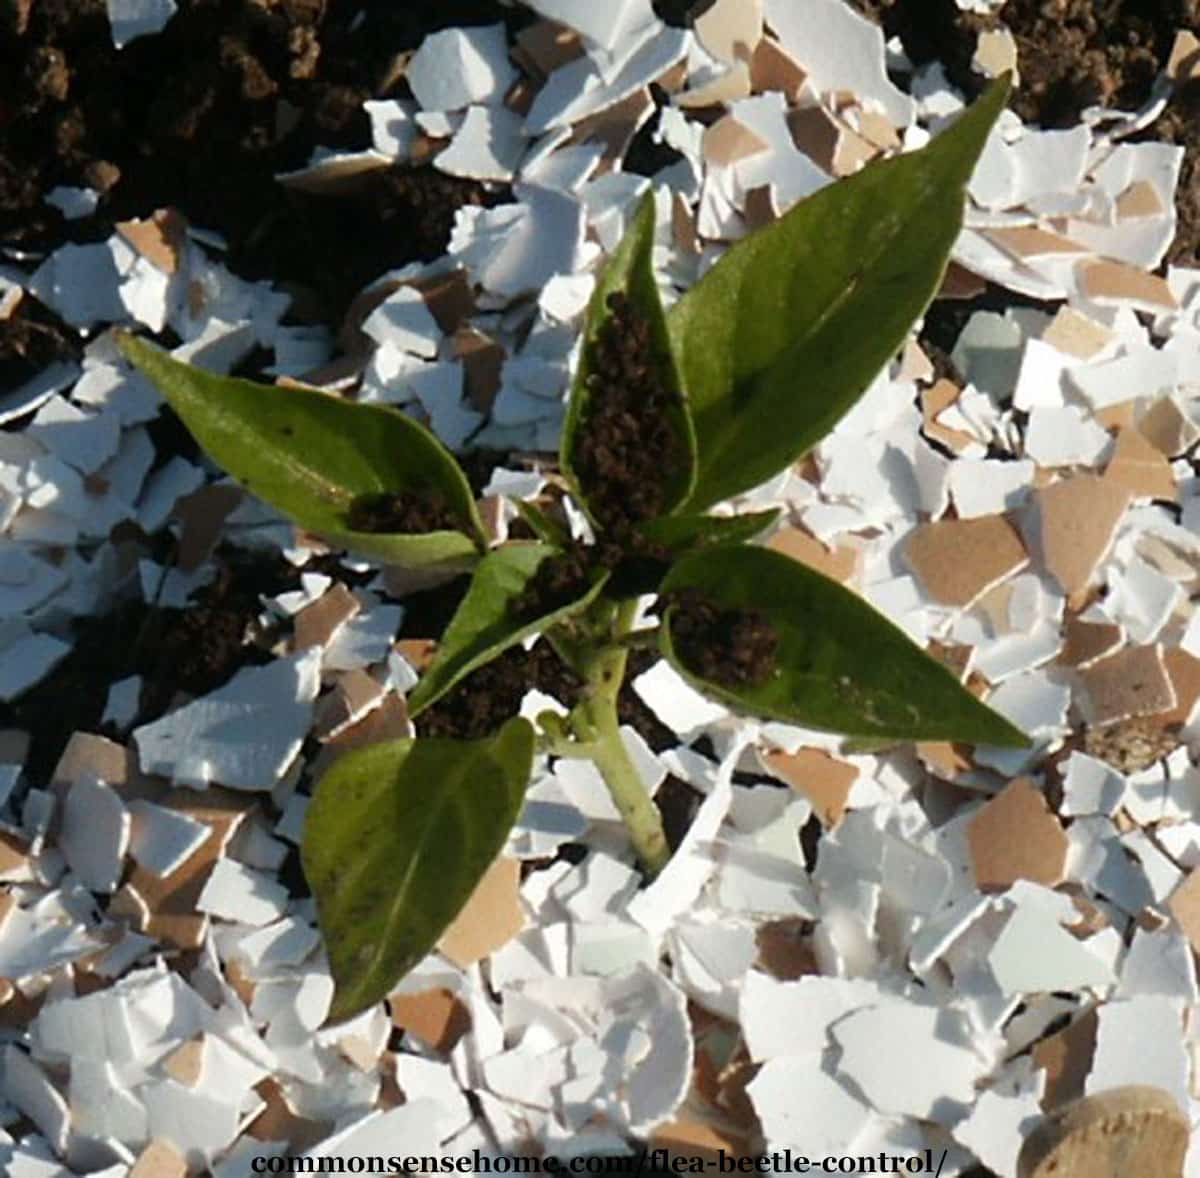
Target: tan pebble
<point x="1125" y="1132"/>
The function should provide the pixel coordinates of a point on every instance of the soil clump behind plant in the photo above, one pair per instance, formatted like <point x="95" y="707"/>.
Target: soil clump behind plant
<point x="489" y="697"/>
<point x="559" y="580"/>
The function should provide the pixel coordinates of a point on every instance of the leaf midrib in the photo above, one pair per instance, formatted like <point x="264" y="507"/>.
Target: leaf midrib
<point x="724" y="439"/>
<point x="431" y="814"/>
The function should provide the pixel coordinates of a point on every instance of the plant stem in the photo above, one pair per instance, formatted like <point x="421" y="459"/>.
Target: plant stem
<point x="605" y="674"/>
<point x="644" y="639"/>
<point x="557" y="737"/>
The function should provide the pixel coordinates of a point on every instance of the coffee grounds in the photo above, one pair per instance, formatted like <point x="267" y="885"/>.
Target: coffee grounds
<point x="732" y="647"/>
<point x="628" y="447"/>
<point x="408" y="512"/>
<point x="560" y="580"/>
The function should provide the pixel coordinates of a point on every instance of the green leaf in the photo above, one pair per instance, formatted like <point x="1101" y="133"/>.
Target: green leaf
<point x="311" y="456"/>
<point x="396" y="839"/>
<point x="679" y="533"/>
<point x="629" y="272"/>
<point x="839" y="664"/>
<point x="546" y="529"/>
<point x="484" y="626"/>
<point x="780" y="338"/>
<point x="863" y="745"/>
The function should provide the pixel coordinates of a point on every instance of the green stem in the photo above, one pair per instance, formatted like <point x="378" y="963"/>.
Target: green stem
<point x="644" y="639"/>
<point x="605" y="674"/>
<point x="559" y="738"/>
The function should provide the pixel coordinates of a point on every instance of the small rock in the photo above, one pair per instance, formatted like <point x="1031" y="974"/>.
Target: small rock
<point x="1116" y="1134"/>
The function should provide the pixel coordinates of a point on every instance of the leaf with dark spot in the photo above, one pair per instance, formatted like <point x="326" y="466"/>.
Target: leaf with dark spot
<point x="315" y="456"/>
<point x="628" y="446"/>
<point x="838" y="664"/>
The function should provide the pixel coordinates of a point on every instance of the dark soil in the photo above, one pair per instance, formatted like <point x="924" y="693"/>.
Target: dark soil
<point x="1072" y="54"/>
<point x="492" y="695"/>
<point x="465" y="711"/>
<point x="171" y="437"/>
<point x="946" y="318"/>
<point x="733" y="647"/>
<point x="32" y="339"/>
<point x="681" y="13"/>
<point x="72" y="697"/>
<point x="478" y="465"/>
<point x="201" y="117"/>
<point x="488" y="697"/>
<point x="193" y="650"/>
<point x="204" y="114"/>
<point x="677" y="803"/>
<point x="646" y="156"/>
<point x="628" y="447"/>
<point x="407" y="512"/>
<point x="639" y="569"/>
<point x="428" y="612"/>
<point x="1076" y="53"/>
<point x="636" y="567"/>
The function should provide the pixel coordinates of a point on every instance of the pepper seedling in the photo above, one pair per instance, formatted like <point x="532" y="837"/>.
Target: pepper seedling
<point x="668" y="415"/>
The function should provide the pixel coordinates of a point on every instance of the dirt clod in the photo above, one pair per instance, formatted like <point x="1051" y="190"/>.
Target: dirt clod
<point x="1130" y="745"/>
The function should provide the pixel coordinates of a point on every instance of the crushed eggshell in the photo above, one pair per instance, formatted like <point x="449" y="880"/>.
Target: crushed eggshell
<point x="1016" y="836"/>
<point x="1132" y="682"/>
<point x="823" y="779"/>
<point x="490" y="919"/>
<point x="959" y="560"/>
<point x="1079" y="517"/>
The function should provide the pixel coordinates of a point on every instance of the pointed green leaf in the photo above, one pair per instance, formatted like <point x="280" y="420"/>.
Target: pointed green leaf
<point x="396" y="839"/>
<point x="318" y="458"/>
<point x="679" y="533"/>
<point x="546" y="529"/>
<point x="629" y="272"/>
<point x="780" y="338"/>
<point x="839" y="664"/>
<point x="866" y="745"/>
<point x="485" y="626"/>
